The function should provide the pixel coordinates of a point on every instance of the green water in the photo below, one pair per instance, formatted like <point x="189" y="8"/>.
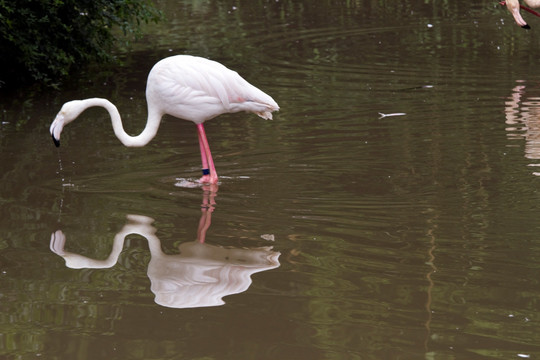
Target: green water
<point x="335" y="233"/>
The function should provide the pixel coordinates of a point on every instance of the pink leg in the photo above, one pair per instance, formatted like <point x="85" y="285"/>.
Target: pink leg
<point x="209" y="170"/>
<point x="207" y="208"/>
<point x="204" y="158"/>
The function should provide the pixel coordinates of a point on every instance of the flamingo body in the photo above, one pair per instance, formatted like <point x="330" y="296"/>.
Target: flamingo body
<point x="186" y="87"/>
<point x="198" y="89"/>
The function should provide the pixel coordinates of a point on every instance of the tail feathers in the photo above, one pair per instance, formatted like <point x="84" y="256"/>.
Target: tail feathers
<point x="261" y="109"/>
<point x="267" y="112"/>
<point x="266" y="115"/>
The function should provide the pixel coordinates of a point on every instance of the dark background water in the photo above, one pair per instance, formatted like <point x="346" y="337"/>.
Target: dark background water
<point x="399" y="237"/>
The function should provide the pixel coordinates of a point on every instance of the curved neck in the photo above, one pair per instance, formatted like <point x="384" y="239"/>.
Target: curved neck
<point x="150" y="130"/>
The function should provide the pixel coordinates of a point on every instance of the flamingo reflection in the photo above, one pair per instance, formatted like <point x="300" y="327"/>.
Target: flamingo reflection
<point x="522" y="113"/>
<point x="201" y="275"/>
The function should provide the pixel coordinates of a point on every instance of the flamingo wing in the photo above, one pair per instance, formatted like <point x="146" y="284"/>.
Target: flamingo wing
<point x="198" y="89"/>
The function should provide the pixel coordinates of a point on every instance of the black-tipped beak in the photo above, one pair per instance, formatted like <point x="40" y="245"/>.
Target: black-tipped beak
<point x="56" y="142"/>
<point x="526" y="26"/>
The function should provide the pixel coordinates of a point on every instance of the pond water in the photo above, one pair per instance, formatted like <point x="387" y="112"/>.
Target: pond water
<point x="391" y="210"/>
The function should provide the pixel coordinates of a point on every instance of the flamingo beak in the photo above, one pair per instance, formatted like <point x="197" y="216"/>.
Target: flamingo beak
<point x="56" y="142"/>
<point x="519" y="20"/>
<point x="56" y="129"/>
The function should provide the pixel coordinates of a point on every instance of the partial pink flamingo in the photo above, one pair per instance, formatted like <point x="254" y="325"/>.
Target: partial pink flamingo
<point x="514" y="6"/>
<point x="187" y="87"/>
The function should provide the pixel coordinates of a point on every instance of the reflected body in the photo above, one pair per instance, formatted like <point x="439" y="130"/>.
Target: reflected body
<point x="200" y="276"/>
<point x="514" y="8"/>
<point x="186" y="87"/>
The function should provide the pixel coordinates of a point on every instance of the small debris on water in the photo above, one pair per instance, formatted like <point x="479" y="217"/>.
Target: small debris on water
<point x="381" y="115"/>
<point x="186" y="183"/>
<point x="269" y="237"/>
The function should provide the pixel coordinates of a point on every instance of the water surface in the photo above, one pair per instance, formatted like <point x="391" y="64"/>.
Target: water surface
<point x="335" y="232"/>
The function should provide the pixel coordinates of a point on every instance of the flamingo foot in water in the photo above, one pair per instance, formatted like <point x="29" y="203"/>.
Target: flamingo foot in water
<point x="208" y="179"/>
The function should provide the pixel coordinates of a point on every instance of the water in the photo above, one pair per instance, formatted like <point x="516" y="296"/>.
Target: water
<point x="335" y="233"/>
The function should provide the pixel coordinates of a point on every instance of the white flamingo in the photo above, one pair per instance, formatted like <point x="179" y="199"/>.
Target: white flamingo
<point x="514" y="6"/>
<point x="187" y="87"/>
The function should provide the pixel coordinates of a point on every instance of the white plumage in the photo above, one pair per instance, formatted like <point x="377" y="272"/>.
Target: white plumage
<point x="198" y="89"/>
<point x="187" y="87"/>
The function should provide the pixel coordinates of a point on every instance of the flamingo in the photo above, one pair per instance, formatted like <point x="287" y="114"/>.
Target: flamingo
<point x="187" y="87"/>
<point x="514" y="6"/>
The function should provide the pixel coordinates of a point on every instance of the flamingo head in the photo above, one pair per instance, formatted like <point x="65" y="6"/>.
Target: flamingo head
<point x="513" y="6"/>
<point x="69" y="112"/>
